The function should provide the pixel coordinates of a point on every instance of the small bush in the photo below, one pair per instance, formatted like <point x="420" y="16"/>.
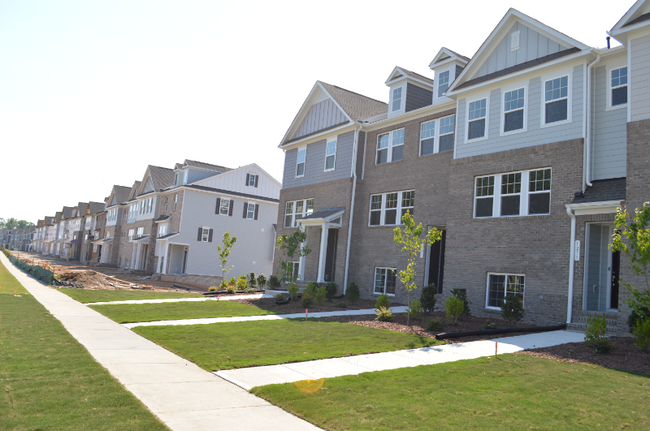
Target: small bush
<point x="331" y="289"/>
<point x="341" y="304"/>
<point x="382" y="301"/>
<point x="231" y="289"/>
<point x="453" y="309"/>
<point x="642" y="333"/>
<point x="596" y="335"/>
<point x="242" y="282"/>
<point x="636" y="315"/>
<point x="415" y="309"/>
<point x="320" y="295"/>
<point x="462" y="295"/>
<point x="384" y="314"/>
<point x="436" y="325"/>
<point x="311" y="288"/>
<point x="352" y="293"/>
<point x="223" y="285"/>
<point x="280" y="297"/>
<point x="428" y="298"/>
<point x="261" y="281"/>
<point x="250" y="290"/>
<point x="292" y="290"/>
<point x="274" y="282"/>
<point x="252" y="281"/>
<point x="512" y="310"/>
<point x="306" y="300"/>
<point x="490" y="325"/>
<point x="213" y="289"/>
<point x="232" y="281"/>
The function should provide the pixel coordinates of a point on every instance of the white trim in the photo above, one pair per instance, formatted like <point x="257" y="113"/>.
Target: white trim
<point x="382" y="210"/>
<point x="609" y="68"/>
<point x="390" y="147"/>
<point x="329" y="141"/>
<point x="402" y="100"/>
<point x="588" y="208"/>
<point x="569" y="99"/>
<point x="374" y="278"/>
<point x="502" y="127"/>
<point x="304" y="162"/>
<point x="487" y="288"/>
<point x="486" y="129"/>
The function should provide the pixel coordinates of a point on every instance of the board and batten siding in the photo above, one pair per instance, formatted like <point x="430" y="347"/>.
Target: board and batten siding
<point x="417" y="97"/>
<point x="236" y="182"/>
<point x="315" y="163"/>
<point x="253" y="251"/>
<point x="534" y="134"/>
<point x="640" y="78"/>
<point x="532" y="45"/>
<point x="609" y="131"/>
<point x="320" y="116"/>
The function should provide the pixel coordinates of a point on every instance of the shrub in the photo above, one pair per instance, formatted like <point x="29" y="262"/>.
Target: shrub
<point x="242" y="282"/>
<point x="213" y="289"/>
<point x="274" y="282"/>
<point x="352" y="293"/>
<point x="280" y="297"/>
<point x="311" y="288"/>
<point x="415" y="309"/>
<point x="637" y="314"/>
<point x="453" y="309"/>
<point x="250" y="290"/>
<point x="223" y="285"/>
<point x="306" y="300"/>
<point x="642" y="333"/>
<point x="428" y="298"/>
<point x="232" y="282"/>
<point x="462" y="295"/>
<point x="490" y="325"/>
<point x="382" y="301"/>
<point x="252" y="281"/>
<point x="436" y="325"/>
<point x="596" y="335"/>
<point x="320" y="295"/>
<point x="331" y="289"/>
<point x="512" y="310"/>
<point x="341" y="304"/>
<point x="384" y="314"/>
<point x="261" y="281"/>
<point x="292" y="290"/>
<point x="231" y="289"/>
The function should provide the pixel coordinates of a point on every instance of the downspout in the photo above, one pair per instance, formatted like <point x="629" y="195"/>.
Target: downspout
<point x="586" y="171"/>
<point x="355" y="154"/>
<point x="569" y="311"/>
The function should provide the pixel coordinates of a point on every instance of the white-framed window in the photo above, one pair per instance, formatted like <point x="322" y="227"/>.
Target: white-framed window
<point x="251" y="180"/>
<point x="618" y="84"/>
<point x="205" y="234"/>
<point x="131" y="232"/>
<point x="477" y="119"/>
<point x="523" y="193"/>
<point x="166" y="203"/>
<point x="140" y="232"/>
<point x="224" y="207"/>
<point x="123" y="237"/>
<point x="162" y="229"/>
<point x="443" y="83"/>
<point x="556" y="100"/>
<point x="295" y="210"/>
<point x="330" y="155"/>
<point x="514" y="107"/>
<point x="390" y="147"/>
<point x="251" y="209"/>
<point x="295" y="269"/>
<point x="300" y="162"/>
<point x="385" y="281"/>
<point x="176" y="177"/>
<point x="501" y="285"/>
<point x="437" y="136"/>
<point x="387" y="209"/>
<point x="396" y="99"/>
<point x="175" y="201"/>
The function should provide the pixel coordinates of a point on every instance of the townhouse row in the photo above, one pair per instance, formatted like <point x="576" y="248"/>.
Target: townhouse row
<point x="17" y="239"/>
<point x="170" y="222"/>
<point x="520" y="154"/>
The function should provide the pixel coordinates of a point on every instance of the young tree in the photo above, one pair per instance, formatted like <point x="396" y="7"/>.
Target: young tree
<point x="291" y="246"/>
<point x="409" y="239"/>
<point x="224" y="253"/>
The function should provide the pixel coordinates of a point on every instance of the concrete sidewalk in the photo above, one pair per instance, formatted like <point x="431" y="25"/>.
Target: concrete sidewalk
<point x="182" y="395"/>
<point x="327" y="368"/>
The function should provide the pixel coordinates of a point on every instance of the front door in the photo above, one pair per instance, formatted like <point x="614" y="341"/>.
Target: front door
<point x="602" y="269"/>
<point x="330" y="258"/>
<point x="437" y="262"/>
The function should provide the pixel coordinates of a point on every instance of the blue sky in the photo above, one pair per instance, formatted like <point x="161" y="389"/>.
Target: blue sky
<point x="91" y="92"/>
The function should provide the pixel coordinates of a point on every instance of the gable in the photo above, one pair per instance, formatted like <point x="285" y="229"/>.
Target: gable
<point x="321" y="116"/>
<point x="148" y="186"/>
<point x="113" y="200"/>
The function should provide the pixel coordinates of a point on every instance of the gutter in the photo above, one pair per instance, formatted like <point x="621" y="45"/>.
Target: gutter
<point x="569" y="311"/>
<point x="355" y="154"/>
<point x="586" y="171"/>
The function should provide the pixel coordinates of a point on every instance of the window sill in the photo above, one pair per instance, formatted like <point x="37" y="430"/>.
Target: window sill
<point x="556" y="123"/>
<point x="532" y="216"/>
<point x="472" y="141"/>
<point x="617" y="107"/>
<point x="388" y="163"/>
<point x="513" y="132"/>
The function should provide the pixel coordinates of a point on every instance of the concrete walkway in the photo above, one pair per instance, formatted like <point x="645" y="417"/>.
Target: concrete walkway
<point x="326" y="368"/>
<point x="205" y="298"/>
<point x="182" y="395"/>
<point x="208" y="320"/>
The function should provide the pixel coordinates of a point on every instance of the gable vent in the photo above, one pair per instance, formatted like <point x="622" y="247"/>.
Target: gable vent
<point x="514" y="40"/>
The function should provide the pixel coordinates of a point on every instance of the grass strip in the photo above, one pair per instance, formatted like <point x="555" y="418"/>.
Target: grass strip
<point x="127" y="313"/>
<point x="510" y="392"/>
<point x="102" y="295"/>
<point x="248" y="344"/>
<point x="49" y="381"/>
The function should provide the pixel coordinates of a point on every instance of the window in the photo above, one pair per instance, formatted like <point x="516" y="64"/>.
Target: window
<point x="443" y="83"/>
<point x="123" y="237"/>
<point x="295" y="210"/>
<point x="556" y="97"/>
<point x="386" y="208"/>
<point x="251" y="180"/>
<point x="507" y="194"/>
<point x="176" y="179"/>
<point x="166" y="203"/>
<point x="175" y="201"/>
<point x="224" y="206"/>
<point x="330" y="155"/>
<point x="140" y="232"/>
<point x="131" y="232"/>
<point x="501" y="285"/>
<point x="390" y="147"/>
<point x="250" y="211"/>
<point x="205" y="234"/>
<point x="477" y="116"/>
<point x="162" y="230"/>
<point x="397" y="99"/>
<point x="427" y="137"/>
<point x="300" y="162"/>
<point x="446" y="138"/>
<point x="385" y="281"/>
<point x="513" y="110"/>
<point x="295" y="269"/>
<point x="619" y="86"/>
<point x="437" y="141"/>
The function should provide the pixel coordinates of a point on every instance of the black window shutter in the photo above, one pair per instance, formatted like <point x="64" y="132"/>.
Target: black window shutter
<point x="257" y="177"/>
<point x="232" y="204"/>
<point x="216" y="210"/>
<point x="210" y="235"/>
<point x="200" y="232"/>
<point x="245" y="209"/>
<point x="248" y="177"/>
<point x="257" y="208"/>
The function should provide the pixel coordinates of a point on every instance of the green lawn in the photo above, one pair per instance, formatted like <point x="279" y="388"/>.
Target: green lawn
<point x="126" y="313"/>
<point x="512" y="392"/>
<point x="102" y="295"/>
<point x="49" y="381"/>
<point x="247" y="344"/>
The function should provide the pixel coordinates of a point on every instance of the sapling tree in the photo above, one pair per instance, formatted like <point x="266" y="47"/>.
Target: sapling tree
<point x="409" y="238"/>
<point x="224" y="253"/>
<point x="292" y="247"/>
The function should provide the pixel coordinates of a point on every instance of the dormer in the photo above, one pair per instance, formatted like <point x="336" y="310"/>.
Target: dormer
<point x="191" y="171"/>
<point x="446" y="65"/>
<point x="408" y="91"/>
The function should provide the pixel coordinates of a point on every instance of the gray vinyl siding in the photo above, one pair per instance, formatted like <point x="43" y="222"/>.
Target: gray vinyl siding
<point x="320" y="116"/>
<point x="196" y="175"/>
<point x="640" y="78"/>
<point x="609" y="131"/>
<point x="315" y="163"/>
<point x="534" y="134"/>
<point x="459" y="70"/>
<point x="532" y="45"/>
<point x="417" y="97"/>
<point x="253" y="250"/>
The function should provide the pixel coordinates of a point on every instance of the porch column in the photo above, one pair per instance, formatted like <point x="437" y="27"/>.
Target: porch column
<point x="302" y="258"/>
<point x="322" y="252"/>
<point x="165" y="254"/>
<point x="133" y="256"/>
